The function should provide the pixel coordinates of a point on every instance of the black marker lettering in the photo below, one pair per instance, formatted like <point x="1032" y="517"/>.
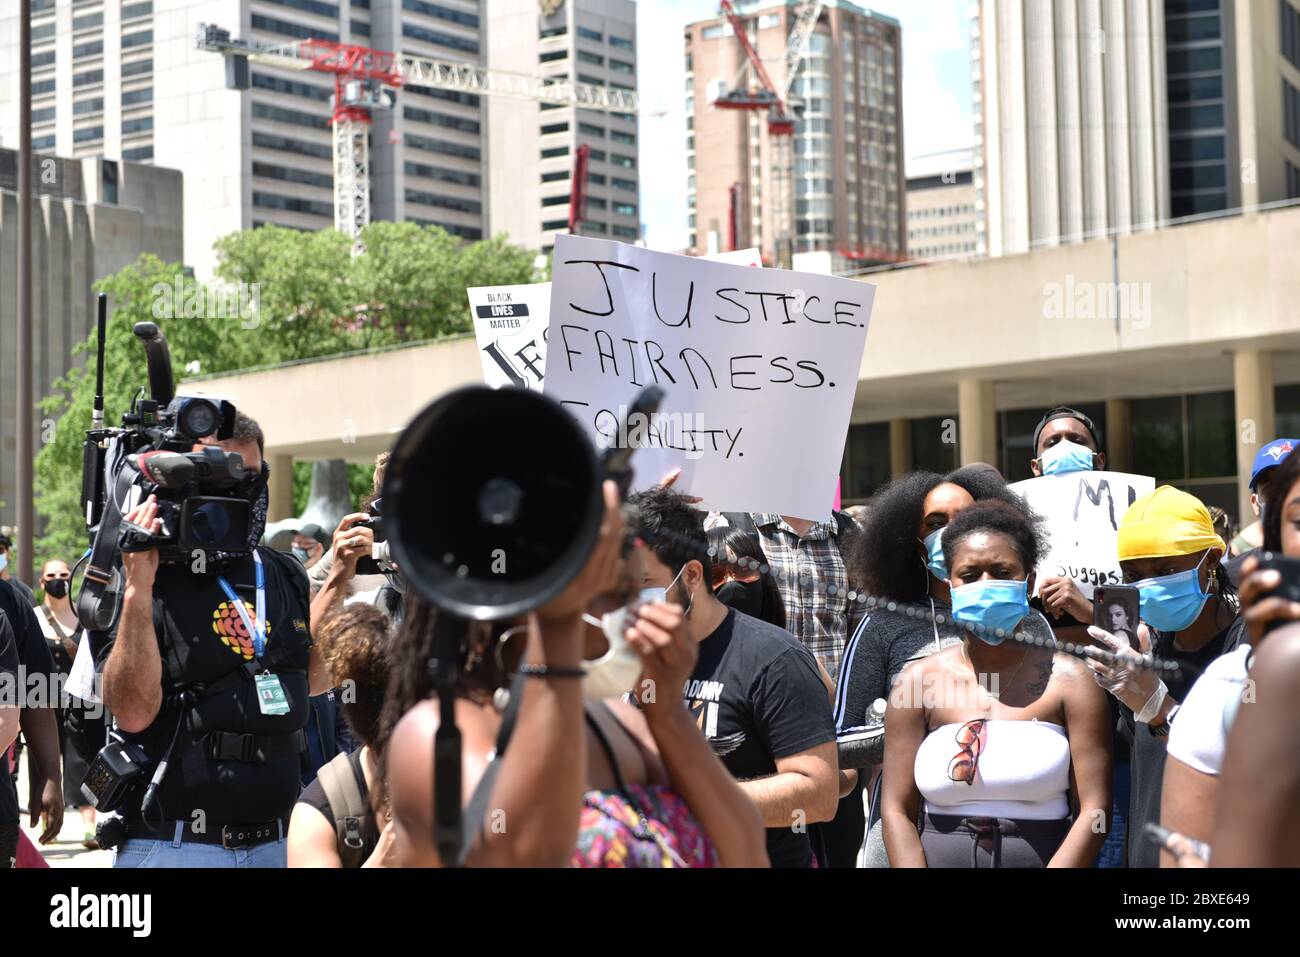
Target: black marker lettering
<point x="654" y="300"/>
<point x="631" y="351"/>
<point x="682" y="355"/>
<point x="734" y="373"/>
<point x="839" y="312"/>
<point x="776" y="363"/>
<point x="734" y="439"/>
<point x="808" y="365"/>
<point x="654" y="361"/>
<point x="785" y="306"/>
<point x="809" y="301"/>
<point x="564" y="337"/>
<point x="736" y="322"/>
<point x="609" y="296"/>
<point x="600" y="351"/>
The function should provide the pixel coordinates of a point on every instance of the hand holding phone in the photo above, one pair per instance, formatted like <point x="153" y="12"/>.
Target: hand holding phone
<point x="1115" y="609"/>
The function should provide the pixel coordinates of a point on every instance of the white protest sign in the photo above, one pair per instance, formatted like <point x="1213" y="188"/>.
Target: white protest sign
<point x="1082" y="512"/>
<point x="759" y="367"/>
<point x="510" y="326"/>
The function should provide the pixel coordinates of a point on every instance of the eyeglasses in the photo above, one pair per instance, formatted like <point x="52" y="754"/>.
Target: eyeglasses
<point x="964" y="763"/>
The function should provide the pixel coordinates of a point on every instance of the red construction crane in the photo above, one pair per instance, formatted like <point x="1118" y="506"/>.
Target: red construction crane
<point x="781" y="118"/>
<point x="366" y="80"/>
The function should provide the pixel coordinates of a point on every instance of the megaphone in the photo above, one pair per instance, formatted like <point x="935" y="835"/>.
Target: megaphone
<point x="492" y="501"/>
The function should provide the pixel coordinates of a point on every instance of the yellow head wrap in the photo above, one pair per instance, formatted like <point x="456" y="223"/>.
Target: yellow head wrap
<point x="1164" y="523"/>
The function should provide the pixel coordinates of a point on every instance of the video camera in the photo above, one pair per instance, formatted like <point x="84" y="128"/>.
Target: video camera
<point x="380" y="559"/>
<point x="153" y="453"/>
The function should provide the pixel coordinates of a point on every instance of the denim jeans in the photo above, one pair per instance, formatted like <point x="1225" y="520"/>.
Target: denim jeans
<point x="1112" y="851"/>
<point x="138" y="852"/>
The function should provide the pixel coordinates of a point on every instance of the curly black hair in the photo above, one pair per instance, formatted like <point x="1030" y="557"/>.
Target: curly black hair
<point x="1015" y="521"/>
<point x="884" y="558"/>
<point x="1287" y="474"/>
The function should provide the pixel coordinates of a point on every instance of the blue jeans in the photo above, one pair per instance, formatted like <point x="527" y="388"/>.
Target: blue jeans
<point x="1112" y="851"/>
<point x="138" y="852"/>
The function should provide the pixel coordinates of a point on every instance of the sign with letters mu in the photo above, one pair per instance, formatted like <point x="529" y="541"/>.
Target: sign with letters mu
<point x="510" y="326"/>
<point x="759" y="368"/>
<point x="1082" y="511"/>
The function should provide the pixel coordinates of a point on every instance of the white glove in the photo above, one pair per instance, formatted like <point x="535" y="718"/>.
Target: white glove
<point x="1125" y="673"/>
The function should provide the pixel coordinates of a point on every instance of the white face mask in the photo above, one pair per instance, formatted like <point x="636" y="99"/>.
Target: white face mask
<point x="618" y="669"/>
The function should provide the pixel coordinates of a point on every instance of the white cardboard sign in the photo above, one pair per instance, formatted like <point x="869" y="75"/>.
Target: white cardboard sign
<point x="1082" y="511"/>
<point x="510" y="326"/>
<point x="759" y="368"/>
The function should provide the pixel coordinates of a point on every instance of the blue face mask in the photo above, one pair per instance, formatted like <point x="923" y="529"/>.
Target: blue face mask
<point x="989" y="605"/>
<point x="1065" y="456"/>
<point x="1173" y="602"/>
<point x="934" y="551"/>
<point x="4" y="562"/>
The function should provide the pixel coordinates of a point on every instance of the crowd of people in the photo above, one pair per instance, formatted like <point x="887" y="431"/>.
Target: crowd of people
<point x="896" y="685"/>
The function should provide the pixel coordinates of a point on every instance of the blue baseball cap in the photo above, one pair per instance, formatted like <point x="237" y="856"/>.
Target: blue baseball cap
<point x="1270" y="456"/>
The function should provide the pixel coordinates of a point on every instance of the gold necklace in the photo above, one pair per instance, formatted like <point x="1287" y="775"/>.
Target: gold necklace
<point x="965" y="654"/>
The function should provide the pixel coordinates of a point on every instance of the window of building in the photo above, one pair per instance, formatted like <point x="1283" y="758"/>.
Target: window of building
<point x="1289" y="28"/>
<point x="94" y="48"/>
<point x="624" y="232"/>
<point x="628" y="139"/>
<point x="866" y="466"/>
<point x="592" y="58"/>
<point x="137" y="39"/>
<point x="279" y="84"/>
<point x="555" y="128"/>
<point x="132" y="10"/>
<point x="141" y="124"/>
<point x="86" y="107"/>
<point x="548" y="32"/>
<point x="618" y="66"/>
<point x="590" y="129"/>
<point x="625" y="44"/>
<point x="555" y="151"/>
<point x="465" y="45"/>
<point x="45" y="142"/>
<point x="135" y="97"/>
<point x="281" y="115"/>
<point x="464" y="124"/>
<point x="561" y="200"/>
<point x="625" y="209"/>
<point x="293" y="204"/>
<point x="1190" y="29"/>
<point x="360" y="28"/>
<point x="550" y="56"/>
<point x="625" y="161"/>
<point x="934" y="443"/>
<point x="288" y="175"/>
<point x="87" y="22"/>
<point x="619" y="183"/>
<point x="441" y="12"/>
<point x="461" y="150"/>
<point x="45" y="115"/>
<point x="1291" y="112"/>
<point x="88" y="134"/>
<point x="84" y="79"/>
<point x="285" y="144"/>
<point x="138" y="153"/>
<point x="444" y="202"/>
<point x="588" y="34"/>
<point x="137" y="67"/>
<point x="329" y="10"/>
<point x="555" y="176"/>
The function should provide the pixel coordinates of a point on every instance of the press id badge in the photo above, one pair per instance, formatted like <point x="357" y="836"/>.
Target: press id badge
<point x="271" y="698"/>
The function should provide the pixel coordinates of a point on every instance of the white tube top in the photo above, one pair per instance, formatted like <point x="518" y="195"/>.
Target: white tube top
<point x="1023" y="772"/>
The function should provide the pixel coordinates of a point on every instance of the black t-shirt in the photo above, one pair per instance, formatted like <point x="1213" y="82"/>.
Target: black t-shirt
<point x="202" y="639"/>
<point x="1148" y="760"/>
<point x="33" y="655"/>
<point x="314" y="794"/>
<point x="757" y="696"/>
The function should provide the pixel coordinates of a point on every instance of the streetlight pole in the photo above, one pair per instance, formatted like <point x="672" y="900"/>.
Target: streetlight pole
<point x="23" y="407"/>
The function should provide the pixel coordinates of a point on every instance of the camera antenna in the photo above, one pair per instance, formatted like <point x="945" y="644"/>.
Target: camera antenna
<point x="101" y="321"/>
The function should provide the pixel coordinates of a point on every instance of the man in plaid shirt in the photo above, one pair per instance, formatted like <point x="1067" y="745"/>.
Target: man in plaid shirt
<point x="805" y="561"/>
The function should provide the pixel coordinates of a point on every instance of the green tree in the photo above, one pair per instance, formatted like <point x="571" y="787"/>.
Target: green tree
<point x="312" y="298"/>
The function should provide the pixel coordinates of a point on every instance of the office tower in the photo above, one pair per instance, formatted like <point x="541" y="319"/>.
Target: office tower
<point x="847" y="171"/>
<point x="124" y="79"/>
<point x="941" y="219"/>
<point x="534" y="145"/>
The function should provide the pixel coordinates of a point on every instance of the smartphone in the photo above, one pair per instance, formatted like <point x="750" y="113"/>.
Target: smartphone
<point x="1290" y="587"/>
<point x="1115" y="609"/>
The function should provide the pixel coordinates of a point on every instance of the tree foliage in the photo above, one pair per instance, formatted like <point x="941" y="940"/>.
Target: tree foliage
<point x="305" y="296"/>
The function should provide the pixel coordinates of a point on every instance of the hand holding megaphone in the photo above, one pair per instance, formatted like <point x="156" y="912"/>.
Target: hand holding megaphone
<point x="605" y="571"/>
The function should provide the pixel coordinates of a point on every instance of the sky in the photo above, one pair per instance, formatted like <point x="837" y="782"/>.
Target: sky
<point x="936" y="95"/>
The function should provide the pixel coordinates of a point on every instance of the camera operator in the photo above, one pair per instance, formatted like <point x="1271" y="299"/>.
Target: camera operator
<point x="207" y="673"/>
<point x="346" y="583"/>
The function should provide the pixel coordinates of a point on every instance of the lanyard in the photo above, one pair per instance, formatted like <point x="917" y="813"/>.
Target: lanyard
<point x="256" y="629"/>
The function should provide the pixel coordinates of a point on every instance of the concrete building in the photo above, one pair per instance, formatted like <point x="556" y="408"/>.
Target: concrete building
<point x="848" y="177"/>
<point x="1234" y="103"/>
<point x="1189" y="365"/>
<point x="123" y="79"/>
<point x="1115" y="115"/>
<point x="91" y="218"/>
<point x="534" y="145"/>
<point x="1070" y="131"/>
<point x="941" y="220"/>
